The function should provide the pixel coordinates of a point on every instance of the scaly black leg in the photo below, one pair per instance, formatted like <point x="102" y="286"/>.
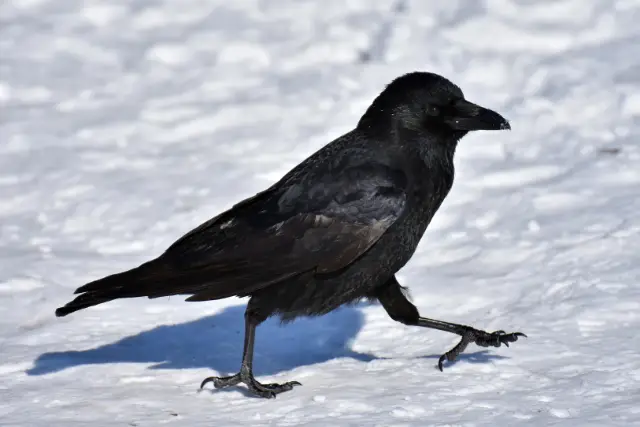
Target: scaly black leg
<point x="245" y="375"/>
<point x="402" y="310"/>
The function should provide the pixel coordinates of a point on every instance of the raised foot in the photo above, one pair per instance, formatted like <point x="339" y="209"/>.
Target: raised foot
<point x="481" y="338"/>
<point x="267" y="391"/>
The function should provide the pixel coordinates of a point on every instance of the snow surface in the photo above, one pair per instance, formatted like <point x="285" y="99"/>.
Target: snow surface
<point x="126" y="123"/>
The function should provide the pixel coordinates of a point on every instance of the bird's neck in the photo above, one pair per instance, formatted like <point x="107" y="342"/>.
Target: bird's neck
<point x="436" y="144"/>
<point x="432" y="145"/>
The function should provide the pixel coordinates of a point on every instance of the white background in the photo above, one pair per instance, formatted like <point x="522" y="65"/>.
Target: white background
<point x="126" y="123"/>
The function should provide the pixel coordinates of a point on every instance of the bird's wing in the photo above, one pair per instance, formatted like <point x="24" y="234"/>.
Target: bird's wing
<point x="319" y="225"/>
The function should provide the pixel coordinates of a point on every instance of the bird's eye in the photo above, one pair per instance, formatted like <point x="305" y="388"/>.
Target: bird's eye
<point x="433" y="111"/>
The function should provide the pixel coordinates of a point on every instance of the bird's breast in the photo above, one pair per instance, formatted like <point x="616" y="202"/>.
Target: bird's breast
<point x="424" y="201"/>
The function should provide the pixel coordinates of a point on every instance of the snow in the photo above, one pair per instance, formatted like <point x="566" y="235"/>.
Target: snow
<point x="126" y="123"/>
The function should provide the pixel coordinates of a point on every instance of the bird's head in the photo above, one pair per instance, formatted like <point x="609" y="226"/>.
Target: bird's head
<point x="427" y="102"/>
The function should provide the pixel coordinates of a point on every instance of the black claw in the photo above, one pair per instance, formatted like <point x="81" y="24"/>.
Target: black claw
<point x="268" y="391"/>
<point x="206" y="381"/>
<point x="482" y="339"/>
<point x="282" y="387"/>
<point x="441" y="361"/>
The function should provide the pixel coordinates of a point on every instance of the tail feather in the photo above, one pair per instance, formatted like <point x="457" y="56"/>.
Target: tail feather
<point x="129" y="284"/>
<point x="156" y="279"/>
<point x="145" y="272"/>
<point x="161" y="278"/>
<point x="81" y="302"/>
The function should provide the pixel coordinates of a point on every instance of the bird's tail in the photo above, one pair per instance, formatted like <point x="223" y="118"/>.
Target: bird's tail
<point x="129" y="284"/>
<point x="83" y="301"/>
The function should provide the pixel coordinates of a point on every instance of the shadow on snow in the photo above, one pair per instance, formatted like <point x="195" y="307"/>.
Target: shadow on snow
<point x="216" y="341"/>
<point x="478" y="357"/>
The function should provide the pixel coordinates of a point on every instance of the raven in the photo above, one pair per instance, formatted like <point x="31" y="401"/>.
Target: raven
<point x="333" y="231"/>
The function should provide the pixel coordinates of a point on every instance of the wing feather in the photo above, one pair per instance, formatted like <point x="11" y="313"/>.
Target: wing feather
<point x="320" y="224"/>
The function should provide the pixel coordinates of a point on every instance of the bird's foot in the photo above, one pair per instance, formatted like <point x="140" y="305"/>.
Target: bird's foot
<point x="267" y="391"/>
<point x="481" y="338"/>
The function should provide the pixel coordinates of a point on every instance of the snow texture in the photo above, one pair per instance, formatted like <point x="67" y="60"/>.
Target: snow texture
<point x="125" y="123"/>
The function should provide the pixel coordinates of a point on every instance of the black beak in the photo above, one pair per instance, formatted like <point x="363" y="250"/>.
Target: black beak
<point x="469" y="116"/>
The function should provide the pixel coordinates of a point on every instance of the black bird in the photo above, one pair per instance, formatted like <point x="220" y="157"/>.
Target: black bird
<point x="332" y="231"/>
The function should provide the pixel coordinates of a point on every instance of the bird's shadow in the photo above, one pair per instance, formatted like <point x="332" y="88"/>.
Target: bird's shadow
<point x="216" y="341"/>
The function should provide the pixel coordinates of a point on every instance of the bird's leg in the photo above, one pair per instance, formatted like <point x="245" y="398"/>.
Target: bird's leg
<point x="402" y="310"/>
<point x="245" y="375"/>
